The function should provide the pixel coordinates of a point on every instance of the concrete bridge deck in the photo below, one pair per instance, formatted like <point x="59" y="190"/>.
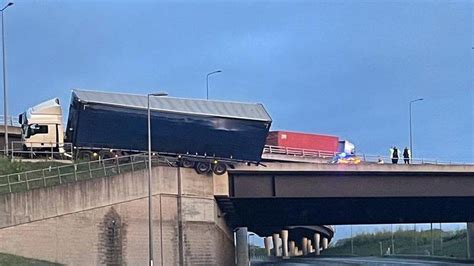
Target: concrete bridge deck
<point x="264" y="198"/>
<point x="14" y="134"/>
<point x="321" y="167"/>
<point x="298" y="193"/>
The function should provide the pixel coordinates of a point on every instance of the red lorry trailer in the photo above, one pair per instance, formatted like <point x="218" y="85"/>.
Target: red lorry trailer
<point x="305" y="141"/>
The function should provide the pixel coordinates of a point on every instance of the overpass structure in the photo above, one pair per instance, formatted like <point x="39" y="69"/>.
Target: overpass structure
<point x="279" y="194"/>
<point x="299" y="193"/>
<point x="286" y="202"/>
<point x="14" y="133"/>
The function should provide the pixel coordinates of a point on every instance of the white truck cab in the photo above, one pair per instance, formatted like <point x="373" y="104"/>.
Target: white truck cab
<point x="346" y="147"/>
<point x="42" y="126"/>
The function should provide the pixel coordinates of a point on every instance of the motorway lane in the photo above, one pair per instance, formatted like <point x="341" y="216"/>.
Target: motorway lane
<point x="372" y="261"/>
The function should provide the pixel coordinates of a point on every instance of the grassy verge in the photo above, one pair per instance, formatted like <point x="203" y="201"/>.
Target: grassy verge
<point x="453" y="244"/>
<point x="8" y="167"/>
<point x="44" y="174"/>
<point x="7" y="259"/>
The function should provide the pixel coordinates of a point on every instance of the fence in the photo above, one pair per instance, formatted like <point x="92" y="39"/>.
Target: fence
<point x="11" y="121"/>
<point x="366" y="158"/>
<point x="70" y="173"/>
<point x="298" y="152"/>
<point x="30" y="150"/>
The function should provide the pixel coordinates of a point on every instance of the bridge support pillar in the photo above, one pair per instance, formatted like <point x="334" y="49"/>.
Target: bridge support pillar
<point x="276" y="245"/>
<point x="292" y="248"/>
<point x="325" y="243"/>
<point x="284" y="242"/>
<point x="242" y="251"/>
<point x="268" y="241"/>
<point x="304" y="246"/>
<point x="470" y="240"/>
<point x="310" y="246"/>
<point x="317" y="240"/>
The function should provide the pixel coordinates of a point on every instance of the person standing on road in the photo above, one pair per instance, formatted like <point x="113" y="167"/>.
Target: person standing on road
<point x="406" y="155"/>
<point x="395" y="155"/>
<point x="391" y="153"/>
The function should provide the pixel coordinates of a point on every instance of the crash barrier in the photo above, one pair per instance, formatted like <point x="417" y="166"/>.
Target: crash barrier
<point x="351" y="158"/>
<point x="11" y="121"/>
<point x="298" y="152"/>
<point x="41" y="150"/>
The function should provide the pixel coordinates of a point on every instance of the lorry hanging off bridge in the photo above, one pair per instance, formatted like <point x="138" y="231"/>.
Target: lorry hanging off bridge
<point x="206" y="135"/>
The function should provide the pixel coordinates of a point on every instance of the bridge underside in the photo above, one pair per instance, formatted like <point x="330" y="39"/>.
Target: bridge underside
<point x="265" y="214"/>
<point x="263" y="200"/>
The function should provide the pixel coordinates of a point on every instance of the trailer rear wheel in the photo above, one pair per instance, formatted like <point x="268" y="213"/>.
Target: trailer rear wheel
<point x="186" y="163"/>
<point x="123" y="156"/>
<point x="85" y="155"/>
<point x="106" y="155"/>
<point x="202" y="167"/>
<point x="219" y="168"/>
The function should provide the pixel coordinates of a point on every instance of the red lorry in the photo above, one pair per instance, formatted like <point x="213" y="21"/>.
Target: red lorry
<point x="300" y="140"/>
<point x="306" y="144"/>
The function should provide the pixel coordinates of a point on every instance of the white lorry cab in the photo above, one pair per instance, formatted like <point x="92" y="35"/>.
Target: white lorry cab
<point x="42" y="126"/>
<point x="346" y="147"/>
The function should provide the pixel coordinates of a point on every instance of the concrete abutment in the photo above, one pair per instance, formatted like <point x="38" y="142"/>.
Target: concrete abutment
<point x="104" y="221"/>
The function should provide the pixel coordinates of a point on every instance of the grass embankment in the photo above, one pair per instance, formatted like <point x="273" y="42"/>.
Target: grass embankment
<point x="8" y="167"/>
<point x="453" y="244"/>
<point x="40" y="174"/>
<point x="6" y="259"/>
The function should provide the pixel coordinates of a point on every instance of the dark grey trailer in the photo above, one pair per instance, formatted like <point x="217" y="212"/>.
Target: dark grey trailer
<point x="199" y="130"/>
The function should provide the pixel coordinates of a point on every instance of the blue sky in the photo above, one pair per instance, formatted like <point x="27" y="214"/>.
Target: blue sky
<point x="347" y="68"/>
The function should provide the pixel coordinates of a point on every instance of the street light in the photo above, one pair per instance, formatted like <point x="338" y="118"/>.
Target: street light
<point x="411" y="143"/>
<point x="207" y="82"/>
<point x="5" y="107"/>
<point x="150" y="235"/>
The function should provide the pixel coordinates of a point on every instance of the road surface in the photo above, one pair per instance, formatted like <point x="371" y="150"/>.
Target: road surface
<point x="332" y="261"/>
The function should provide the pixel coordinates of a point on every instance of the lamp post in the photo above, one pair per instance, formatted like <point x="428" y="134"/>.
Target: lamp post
<point x="207" y="82"/>
<point x="411" y="143"/>
<point x="5" y="107"/>
<point x="150" y="230"/>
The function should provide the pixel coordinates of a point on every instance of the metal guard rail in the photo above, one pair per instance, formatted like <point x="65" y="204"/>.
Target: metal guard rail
<point x="388" y="160"/>
<point x="75" y="172"/>
<point x="366" y="158"/>
<point x="31" y="151"/>
<point x="298" y="152"/>
<point x="10" y="121"/>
